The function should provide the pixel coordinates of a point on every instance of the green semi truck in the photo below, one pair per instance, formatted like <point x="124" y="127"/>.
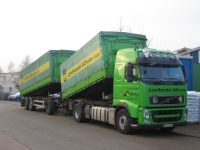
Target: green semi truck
<point x="115" y="79"/>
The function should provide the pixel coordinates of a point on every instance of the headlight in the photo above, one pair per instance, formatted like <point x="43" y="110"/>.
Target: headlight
<point x="146" y="116"/>
<point x="146" y="113"/>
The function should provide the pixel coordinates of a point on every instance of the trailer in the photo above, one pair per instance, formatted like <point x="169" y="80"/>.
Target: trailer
<point x="41" y="79"/>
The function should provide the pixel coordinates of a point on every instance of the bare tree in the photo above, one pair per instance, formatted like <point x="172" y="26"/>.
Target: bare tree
<point x="121" y="27"/>
<point x="149" y="41"/>
<point x="11" y="67"/>
<point x="25" y="62"/>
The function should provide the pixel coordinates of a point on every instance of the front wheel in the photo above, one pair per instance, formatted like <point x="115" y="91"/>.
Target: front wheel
<point x="123" y="121"/>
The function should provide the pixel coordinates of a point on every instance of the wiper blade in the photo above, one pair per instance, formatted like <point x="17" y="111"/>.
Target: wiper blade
<point x="177" y="79"/>
<point x="171" y="78"/>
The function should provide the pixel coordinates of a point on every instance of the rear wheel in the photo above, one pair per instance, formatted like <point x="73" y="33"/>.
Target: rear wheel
<point x="26" y="104"/>
<point x="22" y="102"/>
<point x="31" y="105"/>
<point x="78" y="112"/>
<point x="50" y="107"/>
<point x="123" y="121"/>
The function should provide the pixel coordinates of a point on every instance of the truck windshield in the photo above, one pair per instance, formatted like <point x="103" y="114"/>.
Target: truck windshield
<point x="162" y="74"/>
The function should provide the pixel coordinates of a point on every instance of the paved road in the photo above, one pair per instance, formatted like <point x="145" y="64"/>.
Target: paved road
<point x="26" y="130"/>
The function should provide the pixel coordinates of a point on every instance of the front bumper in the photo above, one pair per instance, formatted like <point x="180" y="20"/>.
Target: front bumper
<point x="162" y="117"/>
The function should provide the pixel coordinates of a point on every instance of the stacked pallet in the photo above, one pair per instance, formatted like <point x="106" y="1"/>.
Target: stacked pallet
<point x="193" y="105"/>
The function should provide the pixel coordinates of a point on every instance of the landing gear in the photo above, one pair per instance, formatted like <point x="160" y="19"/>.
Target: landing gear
<point x="31" y="105"/>
<point x="51" y="107"/>
<point x="26" y="104"/>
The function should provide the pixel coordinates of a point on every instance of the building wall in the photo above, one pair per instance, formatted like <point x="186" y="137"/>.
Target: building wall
<point x="196" y="76"/>
<point x="187" y="63"/>
<point x="195" y="55"/>
<point x="9" y="83"/>
<point x="192" y="70"/>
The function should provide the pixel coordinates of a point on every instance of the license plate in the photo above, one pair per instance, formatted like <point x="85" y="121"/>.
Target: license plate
<point x="168" y="125"/>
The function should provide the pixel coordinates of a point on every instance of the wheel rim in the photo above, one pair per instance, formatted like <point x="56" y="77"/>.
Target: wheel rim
<point x="76" y="113"/>
<point x="122" y="122"/>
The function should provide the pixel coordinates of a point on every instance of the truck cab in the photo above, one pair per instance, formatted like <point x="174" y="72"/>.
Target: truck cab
<point x="149" y="90"/>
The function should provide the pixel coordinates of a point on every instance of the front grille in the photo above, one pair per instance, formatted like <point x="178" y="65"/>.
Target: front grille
<point x="166" y="99"/>
<point x="160" y="116"/>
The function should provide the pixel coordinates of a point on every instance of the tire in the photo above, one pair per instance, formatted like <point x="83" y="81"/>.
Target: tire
<point x="123" y="121"/>
<point x="31" y="105"/>
<point x="78" y="112"/>
<point x="50" y="107"/>
<point x="26" y="103"/>
<point x="167" y="130"/>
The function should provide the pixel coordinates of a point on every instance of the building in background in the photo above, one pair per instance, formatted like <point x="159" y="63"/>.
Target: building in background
<point x="9" y="84"/>
<point x="194" y="53"/>
<point x="191" y="60"/>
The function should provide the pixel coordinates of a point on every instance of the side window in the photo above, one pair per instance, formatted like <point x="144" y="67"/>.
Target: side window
<point x="130" y="72"/>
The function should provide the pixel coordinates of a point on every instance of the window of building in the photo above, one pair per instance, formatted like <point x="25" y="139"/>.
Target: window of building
<point x="10" y="89"/>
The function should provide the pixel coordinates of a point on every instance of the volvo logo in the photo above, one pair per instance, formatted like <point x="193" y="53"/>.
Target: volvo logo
<point x="155" y="100"/>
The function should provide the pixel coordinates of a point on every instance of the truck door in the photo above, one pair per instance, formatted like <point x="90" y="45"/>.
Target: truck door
<point x="126" y="86"/>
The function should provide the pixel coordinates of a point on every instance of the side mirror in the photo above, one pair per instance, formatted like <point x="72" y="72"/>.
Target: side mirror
<point x="130" y="72"/>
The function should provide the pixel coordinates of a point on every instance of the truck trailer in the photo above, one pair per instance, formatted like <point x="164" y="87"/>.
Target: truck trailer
<point x="41" y="79"/>
<point x="115" y="79"/>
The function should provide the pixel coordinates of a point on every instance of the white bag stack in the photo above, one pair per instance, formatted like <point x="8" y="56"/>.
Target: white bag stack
<point x="193" y="105"/>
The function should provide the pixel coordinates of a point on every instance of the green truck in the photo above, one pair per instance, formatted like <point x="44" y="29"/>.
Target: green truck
<point x="115" y="79"/>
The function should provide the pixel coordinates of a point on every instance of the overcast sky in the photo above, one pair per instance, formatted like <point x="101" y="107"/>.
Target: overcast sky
<point x="32" y="27"/>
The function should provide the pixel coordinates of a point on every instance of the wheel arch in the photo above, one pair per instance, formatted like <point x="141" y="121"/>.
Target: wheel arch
<point x="121" y="106"/>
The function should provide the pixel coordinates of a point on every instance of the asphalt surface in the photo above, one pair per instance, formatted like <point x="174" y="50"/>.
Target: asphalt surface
<point x="25" y="130"/>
